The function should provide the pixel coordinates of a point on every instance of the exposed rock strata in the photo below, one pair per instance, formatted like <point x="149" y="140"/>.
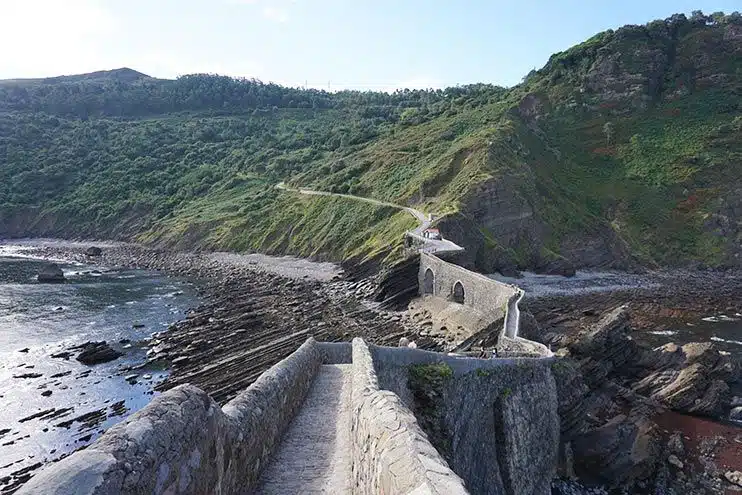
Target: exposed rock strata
<point x="251" y="318"/>
<point x="613" y="394"/>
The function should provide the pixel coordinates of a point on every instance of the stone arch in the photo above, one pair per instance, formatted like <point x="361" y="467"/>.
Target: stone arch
<point x="458" y="294"/>
<point x="429" y="282"/>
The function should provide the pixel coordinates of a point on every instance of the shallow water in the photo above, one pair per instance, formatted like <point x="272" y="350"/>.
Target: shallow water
<point x="584" y="282"/>
<point x="94" y="304"/>
<point x="725" y="331"/>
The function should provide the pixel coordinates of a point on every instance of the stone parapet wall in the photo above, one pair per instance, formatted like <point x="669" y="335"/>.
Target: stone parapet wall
<point x="499" y="415"/>
<point x="485" y="294"/>
<point x="182" y="442"/>
<point x="391" y="454"/>
<point x="493" y="299"/>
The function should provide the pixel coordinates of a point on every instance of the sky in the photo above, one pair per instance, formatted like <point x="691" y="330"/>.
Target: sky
<point x="330" y="44"/>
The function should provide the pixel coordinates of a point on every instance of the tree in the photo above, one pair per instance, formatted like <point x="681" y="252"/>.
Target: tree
<point x="718" y="17"/>
<point x="697" y="16"/>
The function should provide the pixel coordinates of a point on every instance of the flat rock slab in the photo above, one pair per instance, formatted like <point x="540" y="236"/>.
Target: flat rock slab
<point x="314" y="456"/>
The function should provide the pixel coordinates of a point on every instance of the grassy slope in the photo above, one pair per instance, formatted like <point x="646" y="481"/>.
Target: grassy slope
<point x="252" y="215"/>
<point x="654" y="181"/>
<point x="198" y="179"/>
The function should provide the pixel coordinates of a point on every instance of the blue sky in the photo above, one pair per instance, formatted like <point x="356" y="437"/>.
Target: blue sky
<point x="356" y="44"/>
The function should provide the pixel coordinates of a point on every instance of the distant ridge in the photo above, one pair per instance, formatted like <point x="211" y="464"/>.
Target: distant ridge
<point x="123" y="74"/>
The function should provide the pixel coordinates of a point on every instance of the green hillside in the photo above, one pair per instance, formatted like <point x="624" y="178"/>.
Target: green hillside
<point x="624" y="149"/>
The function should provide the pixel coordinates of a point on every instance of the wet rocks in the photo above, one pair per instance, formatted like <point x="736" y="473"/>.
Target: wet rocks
<point x="399" y="284"/>
<point x="96" y="353"/>
<point x="694" y="378"/>
<point x="734" y="477"/>
<point x="51" y="273"/>
<point x="696" y="381"/>
<point x="28" y="375"/>
<point x="251" y="319"/>
<point x="618" y="452"/>
<point x="93" y="251"/>
<point x="612" y="397"/>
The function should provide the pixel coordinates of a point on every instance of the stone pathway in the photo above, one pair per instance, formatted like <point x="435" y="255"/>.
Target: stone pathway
<point x="429" y="245"/>
<point x="314" y="456"/>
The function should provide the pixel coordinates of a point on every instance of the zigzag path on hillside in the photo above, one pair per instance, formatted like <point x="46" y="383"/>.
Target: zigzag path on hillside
<point x="429" y="245"/>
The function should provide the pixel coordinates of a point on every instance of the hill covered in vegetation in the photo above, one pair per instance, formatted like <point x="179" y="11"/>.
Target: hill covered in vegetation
<point x="624" y="149"/>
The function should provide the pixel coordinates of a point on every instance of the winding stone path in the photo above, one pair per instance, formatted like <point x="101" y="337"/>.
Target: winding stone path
<point x="315" y="455"/>
<point x="429" y="245"/>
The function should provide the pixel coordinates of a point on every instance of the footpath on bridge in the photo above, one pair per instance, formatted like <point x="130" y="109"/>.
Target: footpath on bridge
<point x="315" y="455"/>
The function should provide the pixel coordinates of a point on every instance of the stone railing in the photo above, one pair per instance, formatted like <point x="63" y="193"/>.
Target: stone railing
<point x="492" y="298"/>
<point x="182" y="442"/>
<point x="499" y="416"/>
<point x="391" y="454"/>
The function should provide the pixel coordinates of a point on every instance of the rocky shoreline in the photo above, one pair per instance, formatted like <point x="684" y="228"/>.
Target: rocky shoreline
<point x="253" y="315"/>
<point x="616" y="398"/>
<point x="642" y="420"/>
<point x="675" y="295"/>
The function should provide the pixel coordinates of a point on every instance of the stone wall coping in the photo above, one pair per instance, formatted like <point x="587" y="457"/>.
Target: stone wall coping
<point x="182" y="442"/>
<point x="480" y="276"/>
<point x="405" y="356"/>
<point x="391" y="453"/>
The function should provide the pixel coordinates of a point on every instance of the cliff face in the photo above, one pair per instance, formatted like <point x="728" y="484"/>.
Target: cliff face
<point x="622" y="150"/>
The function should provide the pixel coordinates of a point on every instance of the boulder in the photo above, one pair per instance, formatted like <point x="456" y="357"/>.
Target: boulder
<point x="734" y="477"/>
<point x="97" y="352"/>
<point x="618" y="452"/>
<point x="93" y="251"/>
<point x="736" y="414"/>
<point x="560" y="266"/>
<point x="693" y="378"/>
<point x="51" y="273"/>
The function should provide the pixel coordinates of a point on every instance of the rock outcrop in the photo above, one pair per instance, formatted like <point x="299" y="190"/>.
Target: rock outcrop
<point x="96" y="353"/>
<point x="692" y="379"/>
<point x="93" y="251"/>
<point x="614" y="392"/>
<point x="399" y="284"/>
<point x="51" y="273"/>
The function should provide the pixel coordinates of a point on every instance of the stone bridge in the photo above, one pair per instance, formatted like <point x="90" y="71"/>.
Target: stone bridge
<point x="345" y="418"/>
<point x="335" y="418"/>
<point x="494" y="299"/>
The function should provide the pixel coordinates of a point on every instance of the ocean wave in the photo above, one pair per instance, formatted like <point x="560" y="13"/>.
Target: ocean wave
<point x="719" y="318"/>
<point x="719" y="339"/>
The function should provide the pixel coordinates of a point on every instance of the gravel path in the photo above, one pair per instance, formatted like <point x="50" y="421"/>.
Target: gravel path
<point x="429" y="245"/>
<point x="315" y="454"/>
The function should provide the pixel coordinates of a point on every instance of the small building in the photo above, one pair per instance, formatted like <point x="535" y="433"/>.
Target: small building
<point x="432" y="234"/>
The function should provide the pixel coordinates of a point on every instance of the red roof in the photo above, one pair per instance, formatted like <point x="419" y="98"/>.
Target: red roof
<point x="432" y="230"/>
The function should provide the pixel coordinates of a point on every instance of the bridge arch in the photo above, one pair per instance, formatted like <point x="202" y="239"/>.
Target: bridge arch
<point x="458" y="294"/>
<point x="429" y="282"/>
